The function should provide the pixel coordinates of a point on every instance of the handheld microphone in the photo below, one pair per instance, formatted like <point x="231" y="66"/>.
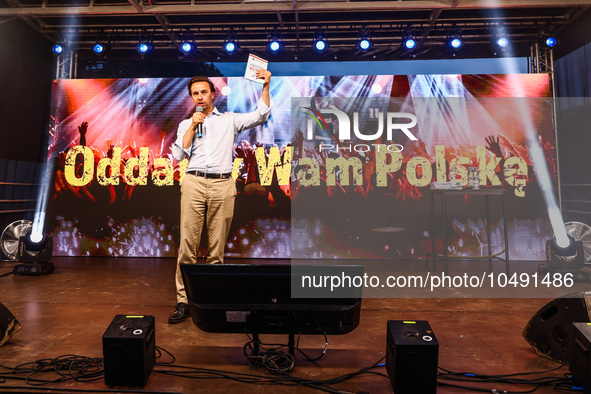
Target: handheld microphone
<point x="200" y="125"/>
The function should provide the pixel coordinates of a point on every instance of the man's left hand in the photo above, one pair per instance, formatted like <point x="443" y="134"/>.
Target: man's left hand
<point x="264" y="74"/>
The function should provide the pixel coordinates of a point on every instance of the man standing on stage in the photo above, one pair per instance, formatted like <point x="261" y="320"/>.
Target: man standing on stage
<point x="208" y="189"/>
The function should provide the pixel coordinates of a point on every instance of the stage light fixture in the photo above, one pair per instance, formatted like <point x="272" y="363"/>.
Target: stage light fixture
<point x="364" y="41"/>
<point x="101" y="47"/>
<point x="566" y="254"/>
<point x="551" y="41"/>
<point x="98" y="48"/>
<point x="502" y="42"/>
<point x="231" y="43"/>
<point x="36" y="242"/>
<point x="59" y="46"/>
<point x="102" y="44"/>
<point x="187" y="43"/>
<point x="145" y="44"/>
<point x="454" y="40"/>
<point x="143" y="47"/>
<point x="456" y="43"/>
<point x="57" y="49"/>
<point x="186" y="47"/>
<point x="500" y="38"/>
<point x="320" y="43"/>
<point x="230" y="47"/>
<point x="410" y="43"/>
<point x="409" y="40"/>
<point x="35" y="250"/>
<point x="35" y="238"/>
<point x="275" y="44"/>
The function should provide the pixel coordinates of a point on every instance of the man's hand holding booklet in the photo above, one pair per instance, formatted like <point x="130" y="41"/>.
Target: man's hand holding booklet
<point x="254" y="64"/>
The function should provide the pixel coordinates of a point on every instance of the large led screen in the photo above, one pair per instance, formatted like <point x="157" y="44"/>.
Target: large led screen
<point x="116" y="185"/>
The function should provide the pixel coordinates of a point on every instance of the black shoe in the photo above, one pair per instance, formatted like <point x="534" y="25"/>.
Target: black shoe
<point x="181" y="312"/>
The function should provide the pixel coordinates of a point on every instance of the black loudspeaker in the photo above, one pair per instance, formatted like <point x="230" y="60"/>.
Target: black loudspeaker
<point x="412" y="354"/>
<point x="129" y="350"/>
<point x="551" y="332"/>
<point x="580" y="365"/>
<point x="8" y="324"/>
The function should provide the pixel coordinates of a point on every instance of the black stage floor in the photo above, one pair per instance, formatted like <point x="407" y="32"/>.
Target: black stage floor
<point x="68" y="311"/>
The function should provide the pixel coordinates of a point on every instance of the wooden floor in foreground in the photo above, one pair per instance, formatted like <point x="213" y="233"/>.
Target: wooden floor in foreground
<point x="68" y="311"/>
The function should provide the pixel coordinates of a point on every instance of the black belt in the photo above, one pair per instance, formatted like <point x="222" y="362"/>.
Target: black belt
<point x="210" y="175"/>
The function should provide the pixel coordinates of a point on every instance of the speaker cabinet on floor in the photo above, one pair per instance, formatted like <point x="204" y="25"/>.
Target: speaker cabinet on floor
<point x="129" y="350"/>
<point x="412" y="354"/>
<point x="580" y="365"/>
<point x="551" y="331"/>
<point x="8" y="324"/>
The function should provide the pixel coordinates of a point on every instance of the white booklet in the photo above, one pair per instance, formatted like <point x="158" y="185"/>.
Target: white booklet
<point x="254" y="64"/>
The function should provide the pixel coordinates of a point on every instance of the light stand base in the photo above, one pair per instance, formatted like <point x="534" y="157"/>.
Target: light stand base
<point x="573" y="264"/>
<point x="37" y="269"/>
<point x="578" y="274"/>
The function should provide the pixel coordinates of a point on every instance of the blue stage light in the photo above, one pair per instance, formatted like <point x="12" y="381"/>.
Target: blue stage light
<point x="57" y="49"/>
<point x="186" y="39"/>
<point x="456" y="43"/>
<point x="230" y="47"/>
<point x="145" y="44"/>
<point x="364" y="41"/>
<point x="454" y="39"/>
<point x="231" y="42"/>
<point x="320" y="45"/>
<point x="143" y="47"/>
<point x="502" y="42"/>
<point x="410" y="43"/>
<point x="551" y="41"/>
<point x="186" y="47"/>
<point x="98" y="48"/>
<point x="364" y="44"/>
<point x="274" y="45"/>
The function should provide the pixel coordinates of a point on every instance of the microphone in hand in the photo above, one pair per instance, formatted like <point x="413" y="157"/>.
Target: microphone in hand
<point x="199" y="125"/>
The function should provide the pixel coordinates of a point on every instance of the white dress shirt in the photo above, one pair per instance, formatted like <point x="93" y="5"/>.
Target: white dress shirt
<point x="212" y="153"/>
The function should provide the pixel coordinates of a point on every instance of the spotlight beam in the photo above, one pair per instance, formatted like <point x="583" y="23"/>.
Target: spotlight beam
<point x="537" y="156"/>
<point x="42" y="198"/>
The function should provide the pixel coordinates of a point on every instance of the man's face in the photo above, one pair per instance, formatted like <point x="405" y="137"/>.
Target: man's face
<point x="202" y="96"/>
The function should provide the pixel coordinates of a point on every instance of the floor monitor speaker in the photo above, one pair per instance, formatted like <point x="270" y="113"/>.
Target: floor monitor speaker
<point x="129" y="350"/>
<point x="412" y="354"/>
<point x="551" y="331"/>
<point x="580" y="366"/>
<point x="8" y="324"/>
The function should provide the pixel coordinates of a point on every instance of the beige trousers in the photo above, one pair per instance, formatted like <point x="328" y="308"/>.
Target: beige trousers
<point x="203" y="201"/>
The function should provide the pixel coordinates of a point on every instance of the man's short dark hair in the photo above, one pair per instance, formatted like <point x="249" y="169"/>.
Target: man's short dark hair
<point x="200" y="79"/>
